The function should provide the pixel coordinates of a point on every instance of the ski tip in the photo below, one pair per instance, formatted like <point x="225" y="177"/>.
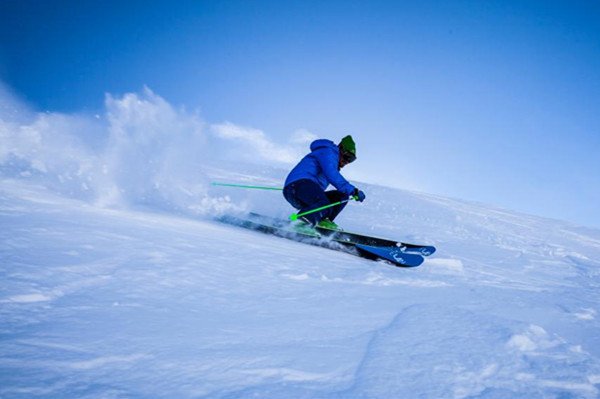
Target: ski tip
<point x="427" y="250"/>
<point x="393" y="255"/>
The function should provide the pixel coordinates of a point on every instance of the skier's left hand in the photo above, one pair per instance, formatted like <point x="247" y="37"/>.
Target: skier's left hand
<point x="358" y="195"/>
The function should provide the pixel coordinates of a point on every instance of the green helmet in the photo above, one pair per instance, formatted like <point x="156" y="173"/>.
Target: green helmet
<point x="348" y="144"/>
<point x="348" y="148"/>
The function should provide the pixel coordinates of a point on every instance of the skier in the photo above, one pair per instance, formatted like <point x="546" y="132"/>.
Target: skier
<point x="305" y="185"/>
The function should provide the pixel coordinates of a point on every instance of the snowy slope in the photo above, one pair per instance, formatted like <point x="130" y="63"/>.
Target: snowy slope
<point x="117" y="282"/>
<point x="131" y="303"/>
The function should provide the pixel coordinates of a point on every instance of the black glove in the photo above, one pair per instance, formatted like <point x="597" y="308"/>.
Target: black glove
<point x="358" y="195"/>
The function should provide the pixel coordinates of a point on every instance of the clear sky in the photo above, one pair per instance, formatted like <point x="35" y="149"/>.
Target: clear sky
<point x="493" y="101"/>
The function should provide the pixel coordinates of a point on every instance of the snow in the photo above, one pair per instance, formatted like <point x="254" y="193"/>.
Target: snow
<point x="100" y="302"/>
<point x="116" y="281"/>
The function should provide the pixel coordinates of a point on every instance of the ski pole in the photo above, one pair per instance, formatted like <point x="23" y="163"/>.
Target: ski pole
<point x="244" y="186"/>
<point x="295" y="216"/>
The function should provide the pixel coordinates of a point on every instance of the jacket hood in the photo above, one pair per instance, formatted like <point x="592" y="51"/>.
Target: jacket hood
<point x="322" y="143"/>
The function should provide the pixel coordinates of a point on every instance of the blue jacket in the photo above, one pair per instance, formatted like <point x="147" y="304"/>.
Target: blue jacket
<point x="321" y="166"/>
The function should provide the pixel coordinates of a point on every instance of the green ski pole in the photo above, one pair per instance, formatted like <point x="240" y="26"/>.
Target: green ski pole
<point x="244" y="186"/>
<point x="295" y="216"/>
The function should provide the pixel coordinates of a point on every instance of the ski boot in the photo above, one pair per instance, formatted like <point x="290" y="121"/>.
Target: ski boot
<point x="329" y="225"/>
<point x="304" y="227"/>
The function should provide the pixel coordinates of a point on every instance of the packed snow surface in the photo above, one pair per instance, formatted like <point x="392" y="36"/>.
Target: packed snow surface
<point x="99" y="302"/>
<point x="116" y="280"/>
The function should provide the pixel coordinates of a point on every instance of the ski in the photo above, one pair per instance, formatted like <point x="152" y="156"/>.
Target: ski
<point x="282" y="228"/>
<point x="391" y="254"/>
<point x="354" y="238"/>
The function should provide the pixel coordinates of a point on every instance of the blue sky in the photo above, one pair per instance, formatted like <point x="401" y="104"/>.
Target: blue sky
<point x="483" y="100"/>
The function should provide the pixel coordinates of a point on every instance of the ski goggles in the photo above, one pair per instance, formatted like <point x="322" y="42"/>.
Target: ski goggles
<point x="348" y="157"/>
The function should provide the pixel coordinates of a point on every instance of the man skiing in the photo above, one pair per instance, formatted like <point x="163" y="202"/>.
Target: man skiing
<point x="305" y="185"/>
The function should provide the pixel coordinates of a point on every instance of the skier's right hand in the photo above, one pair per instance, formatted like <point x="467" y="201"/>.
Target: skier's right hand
<point x="358" y="195"/>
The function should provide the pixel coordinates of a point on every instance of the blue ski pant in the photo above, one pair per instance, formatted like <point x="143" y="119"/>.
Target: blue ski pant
<point x="306" y="195"/>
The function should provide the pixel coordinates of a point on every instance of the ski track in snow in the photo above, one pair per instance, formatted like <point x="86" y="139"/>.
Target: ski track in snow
<point x="122" y="303"/>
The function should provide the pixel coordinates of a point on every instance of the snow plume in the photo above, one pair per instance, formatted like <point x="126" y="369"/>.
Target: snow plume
<point x="152" y="152"/>
<point x="141" y="152"/>
<point x="44" y="149"/>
